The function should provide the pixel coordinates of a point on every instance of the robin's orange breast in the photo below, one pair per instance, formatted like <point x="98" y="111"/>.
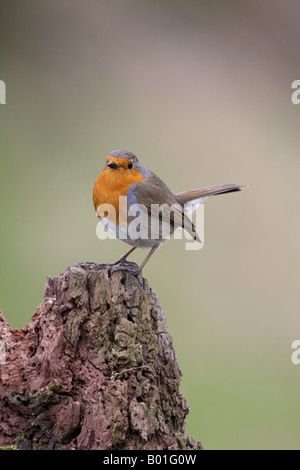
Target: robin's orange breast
<point x="112" y="184"/>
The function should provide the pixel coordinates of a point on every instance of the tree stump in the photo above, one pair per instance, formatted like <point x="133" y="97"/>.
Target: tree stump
<point x="95" y="369"/>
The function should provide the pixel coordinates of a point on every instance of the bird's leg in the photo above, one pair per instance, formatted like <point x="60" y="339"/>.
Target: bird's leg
<point x="123" y="258"/>
<point x="137" y="271"/>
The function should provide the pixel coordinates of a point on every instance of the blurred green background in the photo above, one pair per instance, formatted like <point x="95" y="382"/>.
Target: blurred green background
<point x="201" y="92"/>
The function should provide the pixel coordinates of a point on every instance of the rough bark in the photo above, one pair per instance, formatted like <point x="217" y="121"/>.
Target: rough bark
<point x="95" y="369"/>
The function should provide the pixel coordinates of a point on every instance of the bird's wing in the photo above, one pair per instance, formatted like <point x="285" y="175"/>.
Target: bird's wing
<point x="161" y="202"/>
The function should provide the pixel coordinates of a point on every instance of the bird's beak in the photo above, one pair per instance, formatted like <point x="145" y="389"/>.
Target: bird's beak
<point x="113" y="165"/>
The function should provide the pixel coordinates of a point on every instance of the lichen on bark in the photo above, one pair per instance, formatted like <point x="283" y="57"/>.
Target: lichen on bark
<point x="95" y="369"/>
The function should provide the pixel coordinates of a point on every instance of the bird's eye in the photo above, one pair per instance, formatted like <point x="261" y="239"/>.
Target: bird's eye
<point x="130" y="165"/>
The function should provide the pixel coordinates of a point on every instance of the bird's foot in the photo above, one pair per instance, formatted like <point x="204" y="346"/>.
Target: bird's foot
<point x="122" y="261"/>
<point x="127" y="267"/>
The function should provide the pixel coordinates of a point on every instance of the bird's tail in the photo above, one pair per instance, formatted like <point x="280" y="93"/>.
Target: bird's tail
<point x="199" y="195"/>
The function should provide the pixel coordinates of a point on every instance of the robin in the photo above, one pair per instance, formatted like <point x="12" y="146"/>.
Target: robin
<point x="125" y="184"/>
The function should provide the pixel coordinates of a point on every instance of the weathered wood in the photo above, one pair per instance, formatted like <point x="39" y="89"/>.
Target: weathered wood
<point x="95" y="369"/>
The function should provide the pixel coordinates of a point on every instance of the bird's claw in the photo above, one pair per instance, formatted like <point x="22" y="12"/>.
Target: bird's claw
<point x="126" y="267"/>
